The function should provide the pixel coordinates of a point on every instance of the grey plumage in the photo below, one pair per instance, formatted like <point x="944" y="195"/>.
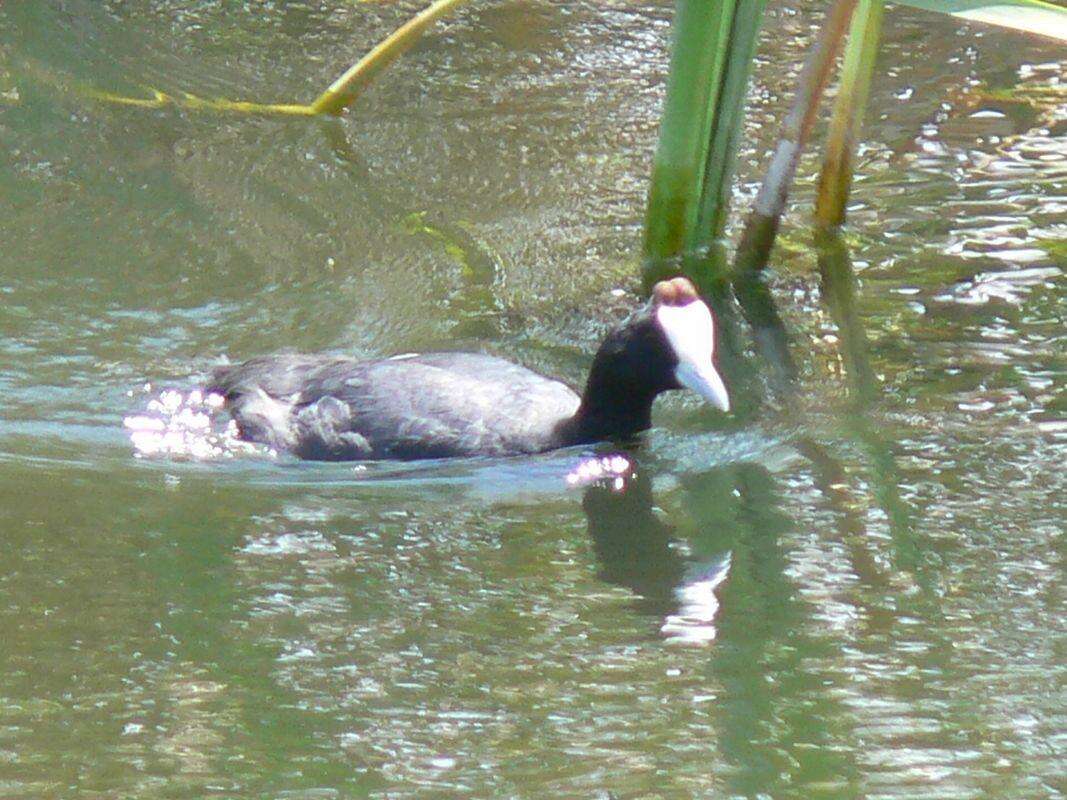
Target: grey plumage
<point x="423" y="406"/>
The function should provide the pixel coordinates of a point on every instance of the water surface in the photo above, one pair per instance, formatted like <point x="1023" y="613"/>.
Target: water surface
<point x="807" y="603"/>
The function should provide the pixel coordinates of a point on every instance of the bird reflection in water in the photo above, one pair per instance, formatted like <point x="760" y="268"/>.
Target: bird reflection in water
<point x="636" y="549"/>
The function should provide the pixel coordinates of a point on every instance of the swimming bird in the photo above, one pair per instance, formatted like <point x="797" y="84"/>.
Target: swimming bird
<point x="440" y="405"/>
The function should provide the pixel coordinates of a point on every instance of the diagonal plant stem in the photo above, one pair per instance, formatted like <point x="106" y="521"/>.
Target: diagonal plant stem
<point x="335" y="99"/>
<point x="1027" y="16"/>
<point x="343" y="91"/>
<point x="761" y="227"/>
<point x="762" y="224"/>
<point x="835" y="180"/>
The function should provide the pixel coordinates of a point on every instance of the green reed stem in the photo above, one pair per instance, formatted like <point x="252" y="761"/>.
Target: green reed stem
<point x="701" y="42"/>
<point x="860" y="54"/>
<point x="726" y="128"/>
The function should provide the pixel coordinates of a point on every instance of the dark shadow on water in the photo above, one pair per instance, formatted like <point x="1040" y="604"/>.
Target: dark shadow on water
<point x="722" y="510"/>
<point x="768" y="329"/>
<point x="678" y="567"/>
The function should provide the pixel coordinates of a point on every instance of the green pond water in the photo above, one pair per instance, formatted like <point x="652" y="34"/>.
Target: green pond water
<point x="800" y="602"/>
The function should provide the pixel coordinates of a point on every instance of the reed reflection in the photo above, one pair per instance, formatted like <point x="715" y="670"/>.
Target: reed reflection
<point x="716" y="574"/>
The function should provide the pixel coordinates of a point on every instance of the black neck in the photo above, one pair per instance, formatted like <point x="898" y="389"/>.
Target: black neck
<point x="613" y="406"/>
<point x="633" y="365"/>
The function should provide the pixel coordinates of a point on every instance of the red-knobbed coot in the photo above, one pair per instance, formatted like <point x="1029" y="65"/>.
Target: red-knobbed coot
<point x="440" y="405"/>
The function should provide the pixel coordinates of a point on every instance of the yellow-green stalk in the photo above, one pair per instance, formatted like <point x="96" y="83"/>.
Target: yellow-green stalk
<point x="335" y="99"/>
<point x="343" y="91"/>
<point x="847" y="120"/>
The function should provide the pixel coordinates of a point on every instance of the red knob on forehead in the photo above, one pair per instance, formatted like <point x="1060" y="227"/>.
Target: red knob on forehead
<point x="685" y="290"/>
<point x="675" y="292"/>
<point x="664" y="293"/>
